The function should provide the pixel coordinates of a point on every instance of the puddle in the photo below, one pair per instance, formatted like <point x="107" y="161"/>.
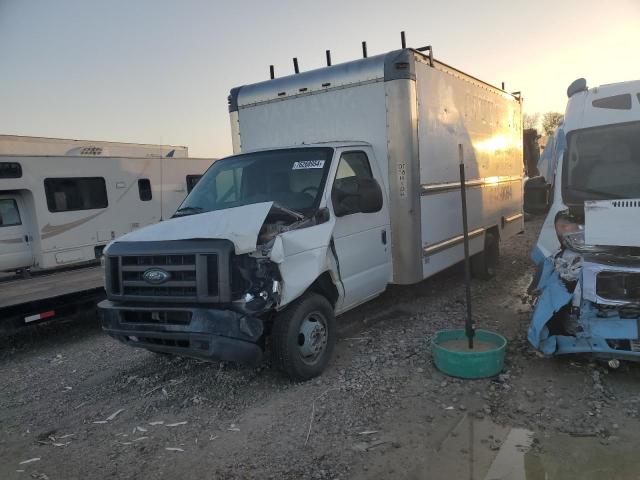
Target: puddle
<point x="509" y="463"/>
<point x="482" y="450"/>
<point x="461" y="446"/>
<point x="570" y="458"/>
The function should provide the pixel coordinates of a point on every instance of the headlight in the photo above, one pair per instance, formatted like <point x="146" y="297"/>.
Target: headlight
<point x="571" y="234"/>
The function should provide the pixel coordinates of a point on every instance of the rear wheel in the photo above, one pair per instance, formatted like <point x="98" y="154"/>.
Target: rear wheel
<point x="303" y="337"/>
<point x="485" y="263"/>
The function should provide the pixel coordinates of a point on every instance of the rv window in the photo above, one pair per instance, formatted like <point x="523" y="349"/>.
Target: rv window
<point x="10" y="170"/>
<point x="191" y="181"/>
<point x="144" y="189"/>
<point x="9" y="215"/>
<point x="616" y="102"/>
<point x="68" y="194"/>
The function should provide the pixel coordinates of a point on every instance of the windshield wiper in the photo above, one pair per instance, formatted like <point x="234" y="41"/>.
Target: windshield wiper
<point x="289" y="211"/>
<point x="183" y="211"/>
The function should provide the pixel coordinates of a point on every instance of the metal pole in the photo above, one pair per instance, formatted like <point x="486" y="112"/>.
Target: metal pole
<point x="295" y="65"/>
<point x="364" y="49"/>
<point x="467" y="264"/>
<point x="272" y="73"/>
<point x="403" y="40"/>
<point x="328" y="53"/>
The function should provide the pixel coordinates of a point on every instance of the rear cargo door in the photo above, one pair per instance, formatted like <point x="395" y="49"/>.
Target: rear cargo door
<point x="15" y="248"/>
<point x="361" y="239"/>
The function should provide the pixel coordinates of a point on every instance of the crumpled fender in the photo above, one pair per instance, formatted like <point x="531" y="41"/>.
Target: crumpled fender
<point x="554" y="296"/>
<point x="302" y="256"/>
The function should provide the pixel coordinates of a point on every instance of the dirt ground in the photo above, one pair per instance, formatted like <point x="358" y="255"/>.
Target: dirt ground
<point x="76" y="404"/>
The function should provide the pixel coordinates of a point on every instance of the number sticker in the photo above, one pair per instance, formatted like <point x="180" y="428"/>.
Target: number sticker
<point x="308" y="164"/>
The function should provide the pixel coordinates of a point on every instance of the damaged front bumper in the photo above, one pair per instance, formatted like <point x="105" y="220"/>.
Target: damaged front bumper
<point x="572" y="316"/>
<point x="204" y="333"/>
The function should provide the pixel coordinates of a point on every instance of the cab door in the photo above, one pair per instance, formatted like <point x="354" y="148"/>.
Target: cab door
<point x="360" y="240"/>
<point x="15" y="246"/>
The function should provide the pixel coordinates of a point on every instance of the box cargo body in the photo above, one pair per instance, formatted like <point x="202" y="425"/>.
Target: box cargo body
<point x="415" y="112"/>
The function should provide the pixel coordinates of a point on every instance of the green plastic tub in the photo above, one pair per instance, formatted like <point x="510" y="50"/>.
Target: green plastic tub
<point x="469" y="364"/>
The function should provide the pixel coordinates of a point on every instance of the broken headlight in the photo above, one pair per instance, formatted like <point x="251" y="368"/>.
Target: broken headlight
<point x="570" y="233"/>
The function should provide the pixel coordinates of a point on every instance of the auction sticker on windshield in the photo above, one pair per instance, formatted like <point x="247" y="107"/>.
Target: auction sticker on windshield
<point x="302" y="165"/>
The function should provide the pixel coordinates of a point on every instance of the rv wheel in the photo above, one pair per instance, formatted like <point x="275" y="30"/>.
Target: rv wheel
<point x="303" y="337"/>
<point x="484" y="264"/>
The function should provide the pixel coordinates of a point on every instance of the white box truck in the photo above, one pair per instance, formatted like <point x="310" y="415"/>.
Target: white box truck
<point x="343" y="180"/>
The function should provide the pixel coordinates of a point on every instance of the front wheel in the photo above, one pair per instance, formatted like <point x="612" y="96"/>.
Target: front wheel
<point x="303" y="337"/>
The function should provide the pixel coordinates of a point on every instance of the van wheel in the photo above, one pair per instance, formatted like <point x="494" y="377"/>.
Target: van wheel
<point x="485" y="263"/>
<point x="303" y="337"/>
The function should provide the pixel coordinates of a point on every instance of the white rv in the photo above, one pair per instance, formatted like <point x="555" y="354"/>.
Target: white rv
<point x="343" y="180"/>
<point x="61" y="210"/>
<point x="588" y="252"/>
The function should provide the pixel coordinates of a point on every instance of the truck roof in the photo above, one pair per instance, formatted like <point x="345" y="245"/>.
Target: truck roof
<point x="333" y="144"/>
<point x="603" y="105"/>
<point x="377" y="68"/>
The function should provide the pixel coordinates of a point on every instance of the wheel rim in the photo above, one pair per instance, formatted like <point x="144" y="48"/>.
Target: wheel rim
<point x="312" y="337"/>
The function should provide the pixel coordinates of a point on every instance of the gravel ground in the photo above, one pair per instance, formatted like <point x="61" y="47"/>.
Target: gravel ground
<point x="87" y="407"/>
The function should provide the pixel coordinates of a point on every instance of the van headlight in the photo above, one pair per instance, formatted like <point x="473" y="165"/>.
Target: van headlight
<point x="570" y="234"/>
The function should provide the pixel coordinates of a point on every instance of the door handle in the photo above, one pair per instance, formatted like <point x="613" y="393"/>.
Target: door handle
<point x="384" y="237"/>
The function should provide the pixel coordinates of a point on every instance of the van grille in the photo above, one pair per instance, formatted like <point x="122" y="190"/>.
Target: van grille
<point x="175" y="271"/>
<point x="181" y="269"/>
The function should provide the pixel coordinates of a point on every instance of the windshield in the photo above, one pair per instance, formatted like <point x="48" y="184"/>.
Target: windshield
<point x="602" y="163"/>
<point x="293" y="178"/>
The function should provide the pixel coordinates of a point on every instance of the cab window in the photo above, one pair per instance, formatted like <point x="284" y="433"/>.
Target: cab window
<point x="353" y="167"/>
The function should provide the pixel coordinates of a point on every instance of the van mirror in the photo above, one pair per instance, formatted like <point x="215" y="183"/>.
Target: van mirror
<point x="370" y="195"/>
<point x="537" y="196"/>
<point x="356" y="195"/>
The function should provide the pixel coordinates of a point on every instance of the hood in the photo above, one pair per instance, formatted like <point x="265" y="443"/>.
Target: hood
<point x="612" y="222"/>
<point x="239" y="225"/>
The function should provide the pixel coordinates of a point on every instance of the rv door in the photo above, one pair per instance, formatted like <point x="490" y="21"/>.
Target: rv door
<point x="15" y="247"/>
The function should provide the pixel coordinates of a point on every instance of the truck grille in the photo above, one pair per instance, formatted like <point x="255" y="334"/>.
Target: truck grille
<point x="181" y="269"/>
<point x="621" y="286"/>
<point x="177" y="271"/>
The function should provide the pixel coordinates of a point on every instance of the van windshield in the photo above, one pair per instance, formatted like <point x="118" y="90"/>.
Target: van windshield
<point x="602" y="163"/>
<point x="293" y="178"/>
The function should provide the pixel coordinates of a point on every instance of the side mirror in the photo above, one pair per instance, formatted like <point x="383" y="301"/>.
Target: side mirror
<point x="355" y="195"/>
<point x="537" y="196"/>
<point x="370" y="195"/>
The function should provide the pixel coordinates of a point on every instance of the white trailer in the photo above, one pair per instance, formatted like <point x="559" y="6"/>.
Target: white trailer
<point x="57" y="211"/>
<point x="24" y="145"/>
<point x="344" y="179"/>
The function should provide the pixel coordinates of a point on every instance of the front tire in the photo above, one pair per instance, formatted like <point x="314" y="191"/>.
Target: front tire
<point x="303" y="337"/>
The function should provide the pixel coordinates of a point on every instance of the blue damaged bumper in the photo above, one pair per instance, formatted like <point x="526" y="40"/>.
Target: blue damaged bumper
<point x="610" y="337"/>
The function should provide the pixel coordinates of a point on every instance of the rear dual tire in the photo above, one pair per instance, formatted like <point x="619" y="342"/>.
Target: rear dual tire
<point x="484" y="265"/>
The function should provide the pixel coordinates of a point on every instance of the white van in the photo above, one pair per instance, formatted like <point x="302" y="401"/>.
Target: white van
<point x="343" y="180"/>
<point x="588" y="252"/>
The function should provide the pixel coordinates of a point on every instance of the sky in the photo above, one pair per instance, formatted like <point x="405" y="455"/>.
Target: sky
<point x="159" y="71"/>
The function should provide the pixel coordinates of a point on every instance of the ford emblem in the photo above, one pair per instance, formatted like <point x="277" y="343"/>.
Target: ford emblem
<point x="156" y="276"/>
